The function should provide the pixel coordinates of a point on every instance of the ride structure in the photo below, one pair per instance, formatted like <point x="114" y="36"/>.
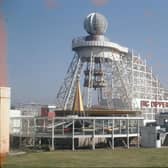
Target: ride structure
<point x="113" y="76"/>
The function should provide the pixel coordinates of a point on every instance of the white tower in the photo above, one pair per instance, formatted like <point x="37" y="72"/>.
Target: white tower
<point x="95" y="61"/>
<point x="4" y="96"/>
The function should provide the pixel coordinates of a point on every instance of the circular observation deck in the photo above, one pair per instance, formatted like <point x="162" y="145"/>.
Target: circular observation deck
<point x="81" y="42"/>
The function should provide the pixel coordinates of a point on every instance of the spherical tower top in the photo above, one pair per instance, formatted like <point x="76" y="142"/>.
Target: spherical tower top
<point x="95" y="24"/>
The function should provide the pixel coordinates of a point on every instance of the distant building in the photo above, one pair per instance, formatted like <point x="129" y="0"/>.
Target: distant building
<point x="48" y="110"/>
<point x="31" y="109"/>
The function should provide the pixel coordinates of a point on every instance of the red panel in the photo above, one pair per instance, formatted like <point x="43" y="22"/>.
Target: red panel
<point x="51" y="115"/>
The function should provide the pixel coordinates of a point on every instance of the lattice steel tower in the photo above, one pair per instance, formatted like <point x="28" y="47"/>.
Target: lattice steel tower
<point x="99" y="63"/>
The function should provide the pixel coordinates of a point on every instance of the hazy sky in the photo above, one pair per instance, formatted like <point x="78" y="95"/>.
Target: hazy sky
<point x="40" y="34"/>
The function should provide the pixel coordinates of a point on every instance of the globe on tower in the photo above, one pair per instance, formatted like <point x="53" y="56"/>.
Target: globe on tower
<point x="95" y="24"/>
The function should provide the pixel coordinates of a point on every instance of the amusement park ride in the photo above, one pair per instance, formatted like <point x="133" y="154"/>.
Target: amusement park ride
<point x="106" y="94"/>
<point x="112" y="77"/>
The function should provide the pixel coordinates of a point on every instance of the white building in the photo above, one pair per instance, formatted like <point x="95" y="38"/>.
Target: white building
<point x="15" y="124"/>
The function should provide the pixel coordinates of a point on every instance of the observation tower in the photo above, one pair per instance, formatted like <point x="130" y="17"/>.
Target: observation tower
<point x="111" y="76"/>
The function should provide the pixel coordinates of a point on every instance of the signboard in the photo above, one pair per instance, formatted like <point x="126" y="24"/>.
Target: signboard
<point x="156" y="104"/>
<point x="144" y="103"/>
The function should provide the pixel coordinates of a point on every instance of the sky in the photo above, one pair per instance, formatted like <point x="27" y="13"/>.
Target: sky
<point x="40" y="33"/>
